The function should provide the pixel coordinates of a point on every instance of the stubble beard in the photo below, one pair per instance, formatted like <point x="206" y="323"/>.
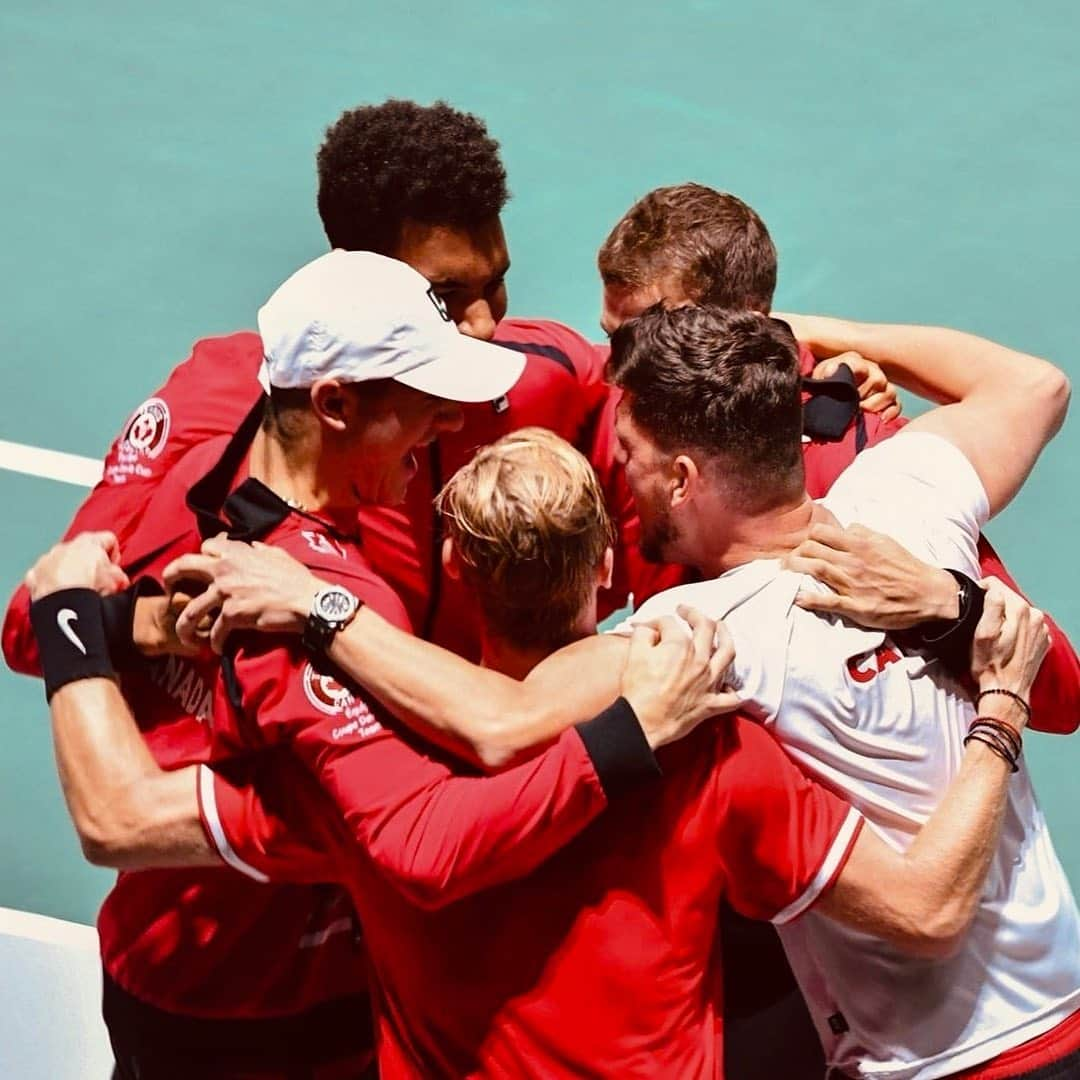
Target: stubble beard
<point x="658" y="538"/>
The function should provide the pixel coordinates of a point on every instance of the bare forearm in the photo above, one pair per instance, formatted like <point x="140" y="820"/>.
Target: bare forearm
<point x="473" y="710"/>
<point x="922" y="900"/>
<point x="993" y="396"/>
<point x="128" y="812"/>
<point x="946" y="365"/>
<point x="937" y="363"/>
<point x="946" y="865"/>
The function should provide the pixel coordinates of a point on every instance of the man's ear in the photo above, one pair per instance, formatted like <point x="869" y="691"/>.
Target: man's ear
<point x="685" y="480"/>
<point x="450" y="561"/>
<point x="607" y="568"/>
<point x="332" y="403"/>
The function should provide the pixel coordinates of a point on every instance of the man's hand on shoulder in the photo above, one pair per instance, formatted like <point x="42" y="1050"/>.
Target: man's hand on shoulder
<point x="673" y="679"/>
<point x="1010" y="644"/>
<point x="875" y="581"/>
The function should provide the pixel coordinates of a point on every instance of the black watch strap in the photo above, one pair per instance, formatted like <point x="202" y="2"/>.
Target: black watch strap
<point x="317" y="635"/>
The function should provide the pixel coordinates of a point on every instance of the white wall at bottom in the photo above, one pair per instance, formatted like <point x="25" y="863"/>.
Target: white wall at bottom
<point x="50" y="1000"/>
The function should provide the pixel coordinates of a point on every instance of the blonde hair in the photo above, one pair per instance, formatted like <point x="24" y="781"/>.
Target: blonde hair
<point x="530" y="528"/>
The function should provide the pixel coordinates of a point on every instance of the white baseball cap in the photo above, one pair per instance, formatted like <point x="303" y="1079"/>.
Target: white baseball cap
<point x="360" y="316"/>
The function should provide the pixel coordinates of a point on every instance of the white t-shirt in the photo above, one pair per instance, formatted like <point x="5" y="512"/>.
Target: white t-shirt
<point x="885" y="729"/>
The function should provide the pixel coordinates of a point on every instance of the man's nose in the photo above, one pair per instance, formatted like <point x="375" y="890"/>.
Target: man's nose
<point x="477" y="321"/>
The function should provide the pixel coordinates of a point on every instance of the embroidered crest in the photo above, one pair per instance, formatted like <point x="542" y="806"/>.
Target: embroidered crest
<point x="148" y="429"/>
<point x="325" y="692"/>
<point x="322" y="544"/>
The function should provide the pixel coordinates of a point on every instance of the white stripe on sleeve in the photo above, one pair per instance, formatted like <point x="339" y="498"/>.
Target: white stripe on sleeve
<point x="826" y="872"/>
<point x="208" y="801"/>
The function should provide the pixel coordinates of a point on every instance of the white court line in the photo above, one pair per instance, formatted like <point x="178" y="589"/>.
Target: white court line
<point x="47" y="930"/>
<point x="49" y="464"/>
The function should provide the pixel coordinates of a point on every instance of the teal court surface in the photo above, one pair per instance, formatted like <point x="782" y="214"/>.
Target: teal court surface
<point x="915" y="162"/>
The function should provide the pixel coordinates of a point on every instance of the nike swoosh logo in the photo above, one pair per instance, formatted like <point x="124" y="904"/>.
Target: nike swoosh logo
<point x="64" y="618"/>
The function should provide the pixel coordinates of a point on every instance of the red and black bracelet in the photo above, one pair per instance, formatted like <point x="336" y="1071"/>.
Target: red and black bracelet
<point x="1007" y="693"/>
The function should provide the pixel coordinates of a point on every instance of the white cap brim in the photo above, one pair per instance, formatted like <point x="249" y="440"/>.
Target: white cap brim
<point x="466" y="370"/>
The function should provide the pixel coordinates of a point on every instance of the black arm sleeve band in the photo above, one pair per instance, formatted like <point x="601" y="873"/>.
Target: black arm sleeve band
<point x="118" y="613"/>
<point x="70" y="629"/>
<point x="619" y="750"/>
<point x="950" y="639"/>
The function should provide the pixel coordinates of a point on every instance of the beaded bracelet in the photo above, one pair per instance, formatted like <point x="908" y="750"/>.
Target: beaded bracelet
<point x="1006" y="746"/>
<point x="1009" y="694"/>
<point x="1004" y="728"/>
<point x="997" y="744"/>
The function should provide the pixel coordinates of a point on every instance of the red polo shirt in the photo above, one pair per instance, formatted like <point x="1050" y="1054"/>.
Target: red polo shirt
<point x="602" y="957"/>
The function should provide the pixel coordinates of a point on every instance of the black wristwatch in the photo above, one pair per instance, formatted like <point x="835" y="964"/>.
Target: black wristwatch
<point x="332" y="609"/>
<point x="949" y="640"/>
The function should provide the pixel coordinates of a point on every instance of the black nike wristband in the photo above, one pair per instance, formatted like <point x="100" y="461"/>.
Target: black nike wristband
<point x="70" y="631"/>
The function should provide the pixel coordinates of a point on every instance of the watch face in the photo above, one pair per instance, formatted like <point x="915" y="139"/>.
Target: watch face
<point x="335" y="604"/>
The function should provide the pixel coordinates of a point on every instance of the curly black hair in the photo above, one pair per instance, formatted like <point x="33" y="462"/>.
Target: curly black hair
<point x="381" y="165"/>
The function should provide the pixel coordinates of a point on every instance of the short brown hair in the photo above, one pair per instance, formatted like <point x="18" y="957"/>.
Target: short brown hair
<point x="529" y="524"/>
<point x="709" y="243"/>
<point x="724" y="382"/>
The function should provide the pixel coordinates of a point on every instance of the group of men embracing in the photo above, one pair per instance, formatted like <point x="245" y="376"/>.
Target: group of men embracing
<point x="326" y="686"/>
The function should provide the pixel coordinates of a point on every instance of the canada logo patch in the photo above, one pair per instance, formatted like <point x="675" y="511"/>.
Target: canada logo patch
<point x="325" y="692"/>
<point x="322" y="544"/>
<point x="333" y="699"/>
<point x="148" y="429"/>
